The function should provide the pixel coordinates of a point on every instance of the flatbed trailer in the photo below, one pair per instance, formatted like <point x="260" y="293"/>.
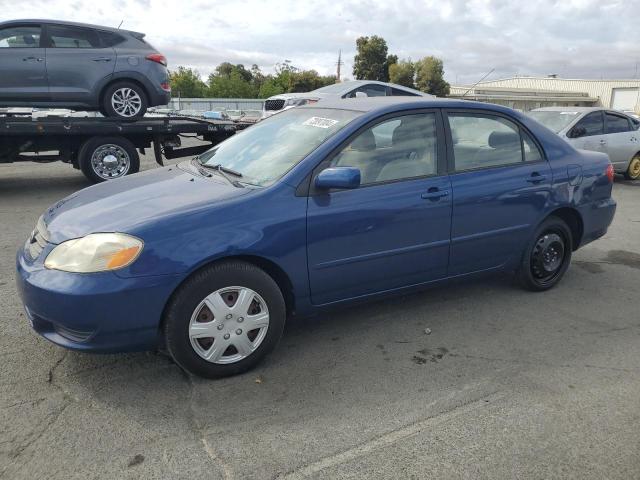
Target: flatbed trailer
<point x="105" y="148"/>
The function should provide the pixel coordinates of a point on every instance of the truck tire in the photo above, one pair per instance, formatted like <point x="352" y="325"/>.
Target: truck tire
<point x="108" y="158"/>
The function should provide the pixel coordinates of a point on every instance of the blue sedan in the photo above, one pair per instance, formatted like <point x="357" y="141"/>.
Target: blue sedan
<point x="318" y="206"/>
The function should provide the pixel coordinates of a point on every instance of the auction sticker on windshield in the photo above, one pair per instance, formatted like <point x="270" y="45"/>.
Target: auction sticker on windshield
<point x="320" y="122"/>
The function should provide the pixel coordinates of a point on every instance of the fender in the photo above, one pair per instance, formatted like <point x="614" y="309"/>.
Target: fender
<point x="98" y="89"/>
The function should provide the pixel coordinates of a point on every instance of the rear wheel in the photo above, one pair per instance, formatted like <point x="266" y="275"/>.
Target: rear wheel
<point x="224" y="320"/>
<point x="108" y="158"/>
<point x="124" y="100"/>
<point x="633" y="172"/>
<point x="547" y="256"/>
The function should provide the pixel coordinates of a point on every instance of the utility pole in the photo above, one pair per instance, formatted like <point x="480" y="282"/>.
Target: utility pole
<point x="339" y="64"/>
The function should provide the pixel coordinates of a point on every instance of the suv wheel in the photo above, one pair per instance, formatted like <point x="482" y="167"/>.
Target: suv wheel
<point x="107" y="158"/>
<point x="224" y="320"/>
<point x="124" y="100"/>
<point x="547" y="256"/>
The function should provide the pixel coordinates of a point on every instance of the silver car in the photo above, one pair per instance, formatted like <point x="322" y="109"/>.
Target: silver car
<point x="349" y="89"/>
<point x="45" y="63"/>
<point x="597" y="129"/>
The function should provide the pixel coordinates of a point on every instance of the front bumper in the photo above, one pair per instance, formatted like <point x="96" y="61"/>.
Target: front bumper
<point x="96" y="312"/>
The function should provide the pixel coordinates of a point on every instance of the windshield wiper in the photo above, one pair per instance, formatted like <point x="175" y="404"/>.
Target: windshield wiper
<point x="225" y="172"/>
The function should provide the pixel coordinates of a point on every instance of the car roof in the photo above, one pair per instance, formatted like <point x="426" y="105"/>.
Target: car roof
<point x="367" y="104"/>
<point x="351" y="84"/>
<point x="63" y="22"/>
<point x="568" y="109"/>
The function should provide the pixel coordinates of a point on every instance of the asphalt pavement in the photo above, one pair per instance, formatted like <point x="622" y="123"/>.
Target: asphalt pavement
<point x="507" y="384"/>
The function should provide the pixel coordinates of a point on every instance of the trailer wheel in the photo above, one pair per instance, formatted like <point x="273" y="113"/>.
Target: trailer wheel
<point x="107" y="158"/>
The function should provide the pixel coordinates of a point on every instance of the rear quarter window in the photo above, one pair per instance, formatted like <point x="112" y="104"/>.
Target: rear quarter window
<point x="110" y="39"/>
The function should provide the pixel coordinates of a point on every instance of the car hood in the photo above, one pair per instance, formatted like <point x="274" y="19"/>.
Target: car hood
<point x="129" y="203"/>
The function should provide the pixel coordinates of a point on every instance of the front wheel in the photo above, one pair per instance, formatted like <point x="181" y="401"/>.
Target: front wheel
<point x="224" y="320"/>
<point x="633" y="171"/>
<point x="547" y="256"/>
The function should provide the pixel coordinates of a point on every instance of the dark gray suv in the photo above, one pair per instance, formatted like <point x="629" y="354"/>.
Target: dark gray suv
<point x="45" y="63"/>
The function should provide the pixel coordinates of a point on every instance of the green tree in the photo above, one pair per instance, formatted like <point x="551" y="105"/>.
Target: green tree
<point x="371" y="61"/>
<point x="270" y="87"/>
<point x="187" y="83"/>
<point x="402" y="73"/>
<point x="307" y="80"/>
<point x="430" y="76"/>
<point x="233" y="85"/>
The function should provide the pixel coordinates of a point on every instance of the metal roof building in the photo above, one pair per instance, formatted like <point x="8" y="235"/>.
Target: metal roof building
<point x="526" y="93"/>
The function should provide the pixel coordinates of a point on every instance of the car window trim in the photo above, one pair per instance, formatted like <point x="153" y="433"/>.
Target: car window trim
<point x="36" y="25"/>
<point x="487" y="113"/>
<point x="441" y="154"/>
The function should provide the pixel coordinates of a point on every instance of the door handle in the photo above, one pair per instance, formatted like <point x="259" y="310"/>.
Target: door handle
<point x="536" y="178"/>
<point x="102" y="59"/>
<point x="37" y="59"/>
<point x="434" y="194"/>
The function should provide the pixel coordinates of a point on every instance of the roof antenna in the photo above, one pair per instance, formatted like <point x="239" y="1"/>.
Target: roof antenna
<point x="471" y="88"/>
<point x="120" y="24"/>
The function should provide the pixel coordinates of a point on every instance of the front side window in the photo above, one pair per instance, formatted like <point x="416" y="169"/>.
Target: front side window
<point x="617" y="124"/>
<point x="483" y="141"/>
<point x="370" y="90"/>
<point x="20" y="37"/>
<point x="72" y="37"/>
<point x="399" y="148"/>
<point x="267" y="150"/>
<point x="592" y="124"/>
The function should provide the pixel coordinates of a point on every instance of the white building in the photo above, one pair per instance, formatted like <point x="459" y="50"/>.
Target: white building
<point x="526" y="93"/>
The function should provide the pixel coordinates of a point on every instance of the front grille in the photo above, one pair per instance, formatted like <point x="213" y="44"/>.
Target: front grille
<point x="273" y="104"/>
<point x="37" y="240"/>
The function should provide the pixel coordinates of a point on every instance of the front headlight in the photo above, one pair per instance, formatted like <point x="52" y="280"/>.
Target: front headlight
<point x="96" y="252"/>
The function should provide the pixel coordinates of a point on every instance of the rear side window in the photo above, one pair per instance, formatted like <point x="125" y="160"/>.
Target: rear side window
<point x="72" y="37"/>
<point x="592" y="124"/>
<point x="486" y="141"/>
<point x="371" y="90"/>
<point x="617" y="124"/>
<point x="110" y="39"/>
<point x="396" y="92"/>
<point x="20" y="37"/>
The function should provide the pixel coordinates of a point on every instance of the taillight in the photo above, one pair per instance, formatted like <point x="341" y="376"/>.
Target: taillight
<point x="165" y="86"/>
<point x="610" y="173"/>
<point x="158" y="58"/>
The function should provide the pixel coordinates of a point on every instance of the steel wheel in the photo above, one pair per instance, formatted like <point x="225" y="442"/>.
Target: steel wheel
<point x="110" y="161"/>
<point x="126" y="102"/>
<point x="229" y="325"/>
<point x="633" y="172"/>
<point x="547" y="257"/>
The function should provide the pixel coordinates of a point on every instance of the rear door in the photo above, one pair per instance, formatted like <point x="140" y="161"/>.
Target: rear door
<point x="23" y="76"/>
<point x="622" y="139"/>
<point x="76" y="62"/>
<point x="501" y="183"/>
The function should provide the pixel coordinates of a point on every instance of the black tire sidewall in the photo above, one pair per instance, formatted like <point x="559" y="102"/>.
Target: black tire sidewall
<point x="106" y="100"/>
<point x="525" y="275"/>
<point x="194" y="290"/>
<point x="90" y="146"/>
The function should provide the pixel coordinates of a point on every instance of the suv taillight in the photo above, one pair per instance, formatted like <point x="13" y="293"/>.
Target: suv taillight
<point x="158" y="58"/>
<point x="610" y="173"/>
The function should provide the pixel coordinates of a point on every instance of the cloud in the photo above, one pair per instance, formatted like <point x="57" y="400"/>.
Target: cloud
<point x="573" y="38"/>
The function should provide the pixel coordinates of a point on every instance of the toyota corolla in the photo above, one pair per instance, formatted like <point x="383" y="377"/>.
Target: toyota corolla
<point x="319" y="206"/>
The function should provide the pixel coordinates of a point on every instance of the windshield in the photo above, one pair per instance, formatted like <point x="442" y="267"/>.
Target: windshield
<point x="266" y="151"/>
<point x="554" y="120"/>
<point x="335" y="88"/>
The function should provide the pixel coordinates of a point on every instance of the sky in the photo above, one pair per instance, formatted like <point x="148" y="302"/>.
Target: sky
<point x="571" y="38"/>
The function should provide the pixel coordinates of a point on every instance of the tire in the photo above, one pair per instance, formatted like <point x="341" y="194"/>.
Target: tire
<point x="98" y="154"/>
<point x="633" y="172"/>
<point x="134" y="98"/>
<point x="192" y="330"/>
<point x="547" y="256"/>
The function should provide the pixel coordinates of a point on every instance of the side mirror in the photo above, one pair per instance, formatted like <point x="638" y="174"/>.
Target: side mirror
<point x="338" y="177"/>
<point x="577" y="132"/>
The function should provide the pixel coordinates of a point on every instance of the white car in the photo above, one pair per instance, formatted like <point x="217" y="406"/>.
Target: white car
<point x="350" y="89"/>
<point x="598" y="129"/>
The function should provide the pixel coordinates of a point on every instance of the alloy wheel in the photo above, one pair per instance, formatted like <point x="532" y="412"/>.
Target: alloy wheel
<point x="229" y="325"/>
<point x="126" y="102"/>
